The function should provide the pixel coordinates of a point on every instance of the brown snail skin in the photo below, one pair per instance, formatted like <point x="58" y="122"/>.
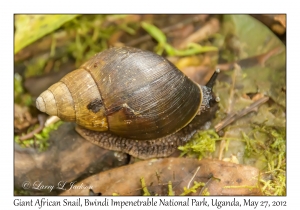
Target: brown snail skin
<point x="130" y="100"/>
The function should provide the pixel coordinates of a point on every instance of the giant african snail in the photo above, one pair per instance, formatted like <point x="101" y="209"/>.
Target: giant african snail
<point x="129" y="100"/>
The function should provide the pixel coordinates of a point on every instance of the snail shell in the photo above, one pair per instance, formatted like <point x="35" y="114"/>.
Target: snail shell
<point x="129" y="92"/>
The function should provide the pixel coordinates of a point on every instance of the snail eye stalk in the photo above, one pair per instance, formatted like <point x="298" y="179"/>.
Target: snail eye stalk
<point x="213" y="79"/>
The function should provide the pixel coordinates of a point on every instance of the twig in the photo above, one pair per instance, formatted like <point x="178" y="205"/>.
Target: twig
<point x="222" y="147"/>
<point x="251" y="61"/>
<point x="234" y="116"/>
<point x="188" y="186"/>
<point x="30" y="135"/>
<point x="210" y="28"/>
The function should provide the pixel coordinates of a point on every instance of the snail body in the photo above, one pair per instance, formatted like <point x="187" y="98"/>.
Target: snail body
<point x="126" y="93"/>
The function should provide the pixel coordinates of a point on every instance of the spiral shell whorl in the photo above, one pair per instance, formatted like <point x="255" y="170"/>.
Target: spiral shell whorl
<point x="75" y="98"/>
<point x="130" y="92"/>
<point x="43" y="103"/>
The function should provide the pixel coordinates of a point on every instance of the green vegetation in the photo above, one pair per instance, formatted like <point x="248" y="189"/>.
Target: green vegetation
<point x="193" y="189"/>
<point x="268" y="144"/>
<point x="20" y="96"/>
<point x="40" y="140"/>
<point x="201" y="144"/>
<point x="162" y="45"/>
<point x="144" y="187"/>
<point x="186" y="191"/>
<point x="30" y="28"/>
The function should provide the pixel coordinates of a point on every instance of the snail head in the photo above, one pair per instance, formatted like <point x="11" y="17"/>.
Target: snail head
<point x="209" y="99"/>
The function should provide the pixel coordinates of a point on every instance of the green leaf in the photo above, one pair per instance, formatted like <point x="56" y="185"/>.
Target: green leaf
<point x="155" y="32"/>
<point x="161" y="38"/>
<point x="253" y="39"/>
<point x="193" y="49"/>
<point x="30" y="28"/>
